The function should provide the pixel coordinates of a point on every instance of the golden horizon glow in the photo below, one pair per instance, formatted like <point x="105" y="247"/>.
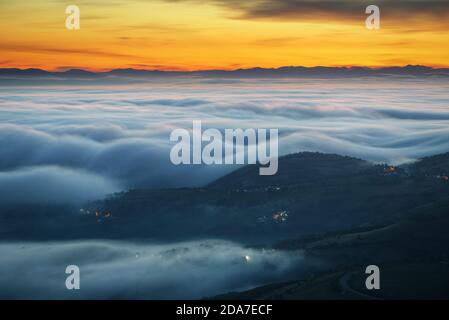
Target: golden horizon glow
<point x="185" y="35"/>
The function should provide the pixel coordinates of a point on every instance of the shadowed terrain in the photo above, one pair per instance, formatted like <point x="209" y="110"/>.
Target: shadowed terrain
<point x="312" y="193"/>
<point x="321" y="220"/>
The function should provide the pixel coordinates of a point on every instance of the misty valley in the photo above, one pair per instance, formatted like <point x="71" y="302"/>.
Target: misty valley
<point x="326" y="214"/>
<point x="86" y="180"/>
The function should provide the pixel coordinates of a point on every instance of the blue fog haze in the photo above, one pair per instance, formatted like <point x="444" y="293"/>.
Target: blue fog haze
<point x="75" y="143"/>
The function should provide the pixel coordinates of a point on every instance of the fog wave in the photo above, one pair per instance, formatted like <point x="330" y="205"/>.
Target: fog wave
<point x="117" y="136"/>
<point x="125" y="270"/>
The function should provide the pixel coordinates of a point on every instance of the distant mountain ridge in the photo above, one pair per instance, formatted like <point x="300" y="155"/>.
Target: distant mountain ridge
<point x="282" y="72"/>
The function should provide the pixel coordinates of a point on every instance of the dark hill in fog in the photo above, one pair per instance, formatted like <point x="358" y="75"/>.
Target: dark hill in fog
<point x="295" y="169"/>
<point x="313" y="193"/>
<point x="412" y="254"/>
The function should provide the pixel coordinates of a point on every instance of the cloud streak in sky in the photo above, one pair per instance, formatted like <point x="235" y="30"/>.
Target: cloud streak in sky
<point x="334" y="9"/>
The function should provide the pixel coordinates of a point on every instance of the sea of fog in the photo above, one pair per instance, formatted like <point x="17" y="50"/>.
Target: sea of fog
<point x="84" y="141"/>
<point x="124" y="270"/>
<point x="71" y="143"/>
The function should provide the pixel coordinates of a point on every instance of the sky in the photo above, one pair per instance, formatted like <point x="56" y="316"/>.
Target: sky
<point x="221" y="34"/>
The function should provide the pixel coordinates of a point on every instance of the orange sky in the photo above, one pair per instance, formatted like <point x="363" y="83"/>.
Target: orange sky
<point x="201" y="34"/>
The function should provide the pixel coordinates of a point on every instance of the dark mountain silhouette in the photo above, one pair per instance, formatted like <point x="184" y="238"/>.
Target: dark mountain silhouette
<point x="24" y="72"/>
<point x="295" y="169"/>
<point x="282" y="72"/>
<point x="79" y="73"/>
<point x="432" y="166"/>
<point x="340" y="212"/>
<point x="314" y="193"/>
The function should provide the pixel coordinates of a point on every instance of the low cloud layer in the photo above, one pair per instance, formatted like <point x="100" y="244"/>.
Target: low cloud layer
<point x="121" y="270"/>
<point x="53" y="185"/>
<point x="75" y="143"/>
